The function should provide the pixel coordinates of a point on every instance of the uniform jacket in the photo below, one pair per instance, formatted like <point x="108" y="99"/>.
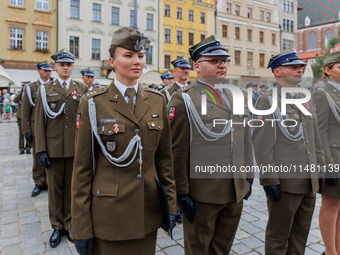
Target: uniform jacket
<point x="18" y="101"/>
<point x="223" y="152"/>
<point x="28" y="110"/>
<point x="168" y="91"/>
<point x="56" y="136"/>
<point x="284" y="152"/>
<point x="113" y="204"/>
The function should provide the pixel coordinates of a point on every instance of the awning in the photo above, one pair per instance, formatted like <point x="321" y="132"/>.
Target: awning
<point x="5" y="78"/>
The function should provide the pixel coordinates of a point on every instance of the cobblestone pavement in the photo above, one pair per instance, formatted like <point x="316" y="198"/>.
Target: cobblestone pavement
<point x="25" y="227"/>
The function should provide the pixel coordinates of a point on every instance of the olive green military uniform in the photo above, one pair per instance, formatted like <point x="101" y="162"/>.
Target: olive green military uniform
<point x="22" y="145"/>
<point x="168" y="91"/>
<point x="121" y="211"/>
<point x="56" y="137"/>
<point x="330" y="133"/>
<point x="27" y="124"/>
<point x="290" y="217"/>
<point x="218" y="200"/>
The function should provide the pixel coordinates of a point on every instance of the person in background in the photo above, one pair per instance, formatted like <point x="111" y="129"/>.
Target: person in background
<point x="88" y="77"/>
<point x="264" y="88"/>
<point x="13" y="104"/>
<point x="96" y="85"/>
<point x="167" y="79"/>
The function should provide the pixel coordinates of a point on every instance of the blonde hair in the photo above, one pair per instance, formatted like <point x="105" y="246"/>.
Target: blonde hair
<point x="330" y="65"/>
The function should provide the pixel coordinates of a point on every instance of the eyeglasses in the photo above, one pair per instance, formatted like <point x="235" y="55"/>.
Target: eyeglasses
<point x="217" y="62"/>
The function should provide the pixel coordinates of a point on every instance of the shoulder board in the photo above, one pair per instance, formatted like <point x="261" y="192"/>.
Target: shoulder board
<point x="185" y="88"/>
<point x="166" y="88"/>
<point x="96" y="92"/>
<point x="152" y="90"/>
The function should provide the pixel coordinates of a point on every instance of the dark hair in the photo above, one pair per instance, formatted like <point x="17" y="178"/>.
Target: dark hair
<point x="330" y="66"/>
<point x="112" y="52"/>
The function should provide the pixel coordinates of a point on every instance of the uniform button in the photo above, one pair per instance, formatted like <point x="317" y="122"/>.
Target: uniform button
<point x="66" y="118"/>
<point x="97" y="192"/>
<point x="309" y="153"/>
<point x="235" y="143"/>
<point x="307" y="141"/>
<point x="334" y="145"/>
<point x="66" y="109"/>
<point x="66" y="100"/>
<point x="159" y="127"/>
<point x="66" y="126"/>
<point x="234" y="157"/>
<point x="305" y="129"/>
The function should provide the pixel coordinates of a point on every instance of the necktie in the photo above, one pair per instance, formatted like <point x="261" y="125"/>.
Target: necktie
<point x="130" y="92"/>
<point x="65" y="87"/>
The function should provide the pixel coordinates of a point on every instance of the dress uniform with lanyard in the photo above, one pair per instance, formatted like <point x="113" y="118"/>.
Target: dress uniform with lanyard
<point x="55" y="130"/>
<point x="29" y="100"/>
<point x="290" y="196"/>
<point x="123" y="155"/>
<point x="182" y="65"/>
<point x="211" y="204"/>
<point x="327" y="101"/>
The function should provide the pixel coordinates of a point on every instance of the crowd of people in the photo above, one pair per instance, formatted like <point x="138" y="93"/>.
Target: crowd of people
<point x="121" y="161"/>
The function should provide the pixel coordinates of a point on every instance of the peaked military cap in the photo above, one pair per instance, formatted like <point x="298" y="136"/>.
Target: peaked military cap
<point x="263" y="86"/>
<point x="182" y="62"/>
<point x="45" y="66"/>
<point x="127" y="38"/>
<point x="167" y="75"/>
<point x="87" y="71"/>
<point x="63" y="56"/>
<point x="210" y="46"/>
<point x="332" y="58"/>
<point x="96" y="85"/>
<point x="285" y="58"/>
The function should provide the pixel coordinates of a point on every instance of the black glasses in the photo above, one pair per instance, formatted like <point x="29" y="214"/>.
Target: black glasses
<point x="216" y="62"/>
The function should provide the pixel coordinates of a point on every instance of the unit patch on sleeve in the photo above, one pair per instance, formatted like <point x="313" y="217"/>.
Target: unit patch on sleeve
<point x="172" y="110"/>
<point x="78" y="119"/>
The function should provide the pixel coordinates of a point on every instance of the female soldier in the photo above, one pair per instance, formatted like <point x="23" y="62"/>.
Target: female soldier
<point x="327" y="108"/>
<point x="123" y="152"/>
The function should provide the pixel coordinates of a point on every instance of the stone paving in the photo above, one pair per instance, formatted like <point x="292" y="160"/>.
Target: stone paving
<point x="25" y="227"/>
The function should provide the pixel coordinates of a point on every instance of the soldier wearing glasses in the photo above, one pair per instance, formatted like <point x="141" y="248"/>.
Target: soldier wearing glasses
<point x="212" y="205"/>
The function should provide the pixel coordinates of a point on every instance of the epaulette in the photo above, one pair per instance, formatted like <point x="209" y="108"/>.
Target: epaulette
<point x="152" y="90"/>
<point x="185" y="88"/>
<point x="166" y="88"/>
<point x="96" y="92"/>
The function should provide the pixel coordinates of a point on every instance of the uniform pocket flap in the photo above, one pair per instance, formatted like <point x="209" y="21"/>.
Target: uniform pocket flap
<point x="111" y="128"/>
<point x="105" y="189"/>
<point x="155" y="124"/>
<point x="53" y="97"/>
<point x="51" y="133"/>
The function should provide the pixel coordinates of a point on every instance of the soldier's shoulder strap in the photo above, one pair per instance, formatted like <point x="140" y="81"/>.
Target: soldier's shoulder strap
<point x="166" y="88"/>
<point x="96" y="92"/>
<point x="155" y="91"/>
<point x="184" y="89"/>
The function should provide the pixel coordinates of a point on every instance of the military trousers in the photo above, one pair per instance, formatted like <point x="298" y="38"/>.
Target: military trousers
<point x="144" y="246"/>
<point x="22" y="141"/>
<point x="213" y="229"/>
<point x="38" y="172"/>
<point x="288" y="223"/>
<point x="59" y="176"/>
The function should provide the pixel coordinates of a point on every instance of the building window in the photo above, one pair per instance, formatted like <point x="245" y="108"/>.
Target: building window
<point x="261" y="37"/>
<point x="237" y="33"/>
<point x="115" y="16"/>
<point x="167" y="36"/>
<point x="284" y="25"/>
<point x="287" y="6"/>
<point x="224" y="30"/>
<point x="249" y="34"/>
<point x="200" y="1"/>
<point x="191" y="39"/>
<point x="261" y="15"/>
<point x="268" y="16"/>
<point x="167" y="61"/>
<point x="287" y="44"/>
<point x="249" y="59"/>
<point x="167" y="10"/>
<point x="291" y="6"/>
<point x="17" y="2"/>
<point x="191" y="15"/>
<point x="291" y="26"/>
<point x="202" y="37"/>
<point x="179" y="37"/>
<point x="328" y="36"/>
<point x="284" y="4"/>
<point x="237" y="10"/>
<point x="237" y="57"/>
<point x="96" y="49"/>
<point x="96" y="12"/>
<point x="132" y="18"/>
<point x="235" y="83"/>
<point x="74" y="46"/>
<point x="228" y="8"/>
<point x="273" y="39"/>
<point x="74" y="9"/>
<point x="148" y="56"/>
<point x="41" y="40"/>
<point x="16" y="36"/>
<point x="179" y="12"/>
<point x="149" y="21"/>
<point x="202" y="18"/>
<point x="250" y="13"/>
<point x="312" y="41"/>
<point x="261" y="60"/>
<point x="42" y="5"/>
<point x="287" y="26"/>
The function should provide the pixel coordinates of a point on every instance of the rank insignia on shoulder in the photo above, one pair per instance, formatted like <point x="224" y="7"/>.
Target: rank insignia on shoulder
<point x="78" y="119"/>
<point x="155" y="115"/>
<point x="172" y="110"/>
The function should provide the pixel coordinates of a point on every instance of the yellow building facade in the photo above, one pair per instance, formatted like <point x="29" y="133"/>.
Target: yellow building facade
<point x="29" y="32"/>
<point x="182" y="25"/>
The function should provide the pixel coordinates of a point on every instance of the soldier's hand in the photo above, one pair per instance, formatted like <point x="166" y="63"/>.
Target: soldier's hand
<point x="321" y="179"/>
<point x="43" y="159"/>
<point x="274" y="192"/>
<point x="172" y="223"/>
<point x="187" y="207"/>
<point x="250" y="183"/>
<point x="84" y="247"/>
<point x="29" y="137"/>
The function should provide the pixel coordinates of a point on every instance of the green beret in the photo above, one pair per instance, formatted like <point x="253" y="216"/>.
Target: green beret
<point x="332" y="58"/>
<point x="127" y="38"/>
